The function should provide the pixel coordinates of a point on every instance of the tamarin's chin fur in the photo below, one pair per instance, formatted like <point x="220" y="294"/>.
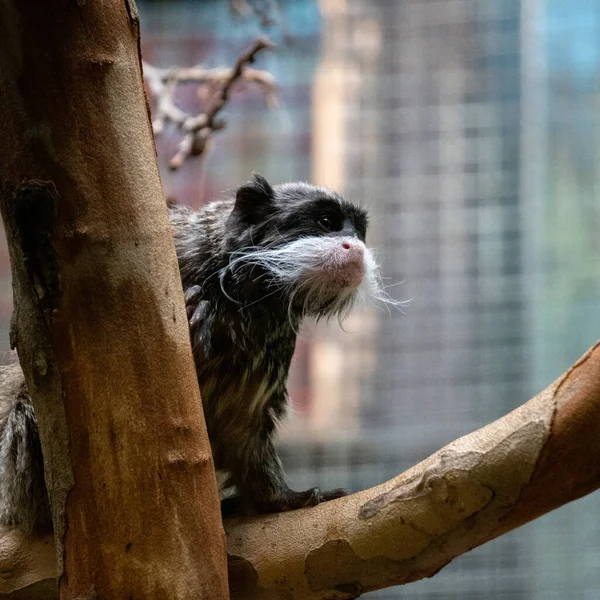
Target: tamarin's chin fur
<point x="252" y="266"/>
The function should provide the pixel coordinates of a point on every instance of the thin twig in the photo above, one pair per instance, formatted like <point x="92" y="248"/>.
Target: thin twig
<point x="197" y="129"/>
<point x="266" y="14"/>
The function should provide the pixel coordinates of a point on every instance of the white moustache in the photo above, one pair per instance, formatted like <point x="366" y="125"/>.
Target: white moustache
<point x="330" y="273"/>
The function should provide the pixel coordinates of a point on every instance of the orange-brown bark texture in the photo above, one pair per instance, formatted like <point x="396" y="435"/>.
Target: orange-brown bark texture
<point x="536" y="458"/>
<point x="569" y="464"/>
<point x="99" y="321"/>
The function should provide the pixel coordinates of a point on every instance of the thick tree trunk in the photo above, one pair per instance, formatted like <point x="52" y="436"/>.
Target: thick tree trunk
<point x="535" y="459"/>
<point x="99" y="321"/>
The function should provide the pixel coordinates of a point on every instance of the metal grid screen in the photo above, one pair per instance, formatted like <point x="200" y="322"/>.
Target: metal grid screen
<point x="469" y="128"/>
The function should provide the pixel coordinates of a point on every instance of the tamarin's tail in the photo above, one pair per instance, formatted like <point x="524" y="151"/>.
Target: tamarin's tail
<point x="23" y="497"/>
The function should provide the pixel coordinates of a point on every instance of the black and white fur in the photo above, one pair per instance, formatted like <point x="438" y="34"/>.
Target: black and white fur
<point x="252" y="268"/>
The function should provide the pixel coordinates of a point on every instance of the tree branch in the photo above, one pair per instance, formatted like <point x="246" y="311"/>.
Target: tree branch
<point x="535" y="459"/>
<point x="266" y="13"/>
<point x="197" y="129"/>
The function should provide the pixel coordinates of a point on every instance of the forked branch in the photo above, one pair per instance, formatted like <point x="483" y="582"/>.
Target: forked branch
<point x="197" y="129"/>
<point x="266" y="11"/>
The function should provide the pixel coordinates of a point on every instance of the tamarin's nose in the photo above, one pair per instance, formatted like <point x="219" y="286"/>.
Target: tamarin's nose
<point x="355" y="246"/>
<point x="351" y="261"/>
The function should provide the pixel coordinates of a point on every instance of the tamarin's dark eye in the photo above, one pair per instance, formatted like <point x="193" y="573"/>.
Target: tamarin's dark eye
<point x="326" y="223"/>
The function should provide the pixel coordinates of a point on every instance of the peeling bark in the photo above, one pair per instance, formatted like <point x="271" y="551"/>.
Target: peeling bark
<point x="535" y="459"/>
<point x="99" y="320"/>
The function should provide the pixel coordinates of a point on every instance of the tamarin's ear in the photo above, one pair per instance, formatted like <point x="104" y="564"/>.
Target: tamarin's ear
<point x="254" y="200"/>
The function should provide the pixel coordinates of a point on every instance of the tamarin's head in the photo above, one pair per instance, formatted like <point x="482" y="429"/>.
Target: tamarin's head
<point x="301" y="245"/>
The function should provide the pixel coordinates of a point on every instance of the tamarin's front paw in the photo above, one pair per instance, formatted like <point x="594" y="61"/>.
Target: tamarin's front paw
<point x="333" y="494"/>
<point x="192" y="297"/>
<point x="293" y="500"/>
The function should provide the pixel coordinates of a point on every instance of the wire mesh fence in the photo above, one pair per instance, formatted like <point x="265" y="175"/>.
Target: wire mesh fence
<point x="470" y="129"/>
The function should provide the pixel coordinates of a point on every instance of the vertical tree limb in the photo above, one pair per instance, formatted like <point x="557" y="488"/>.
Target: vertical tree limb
<point x="99" y="321"/>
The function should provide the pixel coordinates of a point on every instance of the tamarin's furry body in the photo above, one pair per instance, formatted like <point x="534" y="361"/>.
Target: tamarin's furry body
<point x="252" y="266"/>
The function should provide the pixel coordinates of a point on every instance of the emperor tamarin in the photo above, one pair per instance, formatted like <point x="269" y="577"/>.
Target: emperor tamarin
<point x="252" y="266"/>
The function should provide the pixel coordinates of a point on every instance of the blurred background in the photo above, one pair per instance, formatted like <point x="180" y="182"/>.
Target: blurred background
<point x="471" y="130"/>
